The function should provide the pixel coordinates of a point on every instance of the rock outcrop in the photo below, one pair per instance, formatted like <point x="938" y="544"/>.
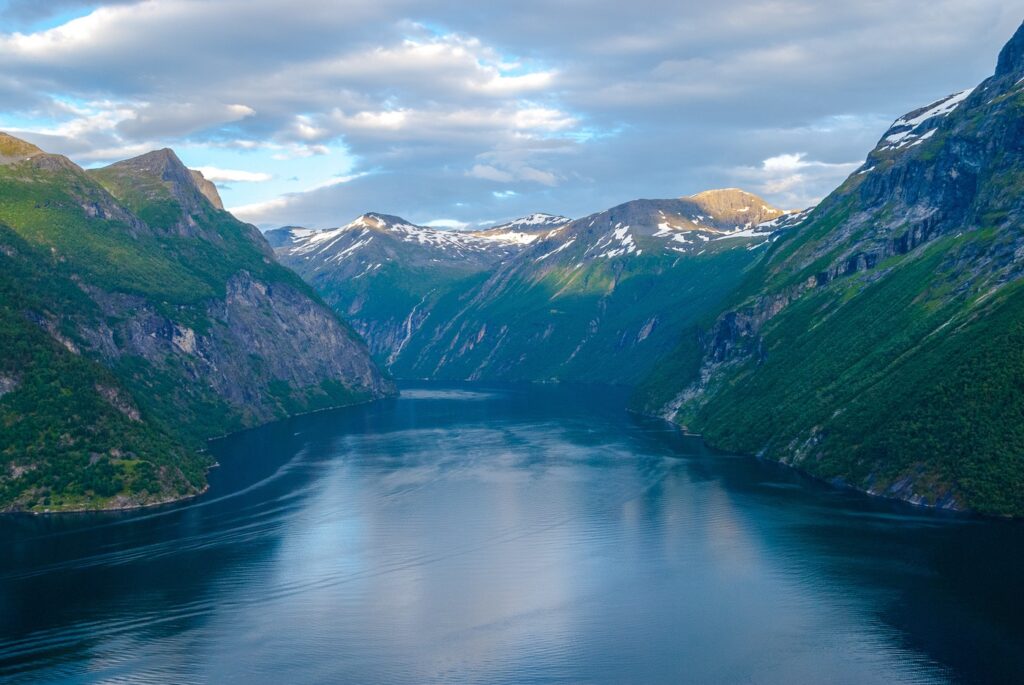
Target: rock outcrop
<point x="873" y="346"/>
<point x="139" y="319"/>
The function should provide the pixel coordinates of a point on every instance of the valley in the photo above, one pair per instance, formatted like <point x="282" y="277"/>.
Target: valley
<point x="511" y="343"/>
<point x="595" y="300"/>
<point x="871" y="341"/>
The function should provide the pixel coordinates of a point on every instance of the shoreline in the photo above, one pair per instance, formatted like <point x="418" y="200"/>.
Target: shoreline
<point x="206" y="487"/>
<point x="112" y="510"/>
<point x="840" y="485"/>
<point x="834" y="484"/>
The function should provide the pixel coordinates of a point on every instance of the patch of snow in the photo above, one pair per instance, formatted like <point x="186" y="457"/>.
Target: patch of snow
<point x="904" y="132"/>
<point x="923" y="138"/>
<point x="747" y="233"/>
<point x="942" y="108"/>
<point x="556" y="250"/>
<point x="511" y="237"/>
<point x="349" y="250"/>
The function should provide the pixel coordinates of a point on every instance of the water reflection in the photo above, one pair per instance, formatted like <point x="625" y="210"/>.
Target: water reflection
<point x="507" y="534"/>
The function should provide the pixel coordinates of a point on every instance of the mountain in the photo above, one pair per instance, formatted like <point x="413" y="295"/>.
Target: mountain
<point x="596" y="300"/>
<point x="524" y="230"/>
<point x="880" y="344"/>
<point x="541" y="298"/>
<point x="385" y="274"/>
<point x="137" y="319"/>
<point x="285" y="235"/>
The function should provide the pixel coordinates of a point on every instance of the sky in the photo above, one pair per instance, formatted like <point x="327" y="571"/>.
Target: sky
<point x="463" y="114"/>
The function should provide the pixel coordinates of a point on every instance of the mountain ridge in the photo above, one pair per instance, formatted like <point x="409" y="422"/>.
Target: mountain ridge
<point x="138" y="320"/>
<point x="409" y="292"/>
<point x="875" y="346"/>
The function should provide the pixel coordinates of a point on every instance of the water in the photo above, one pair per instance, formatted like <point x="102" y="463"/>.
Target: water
<point x="507" y="535"/>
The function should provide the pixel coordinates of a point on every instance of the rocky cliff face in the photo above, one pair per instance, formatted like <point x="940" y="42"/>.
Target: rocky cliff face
<point x="385" y="274"/>
<point x="597" y="299"/>
<point x="863" y="348"/>
<point x="207" y="188"/>
<point x="174" y="319"/>
<point x="600" y="298"/>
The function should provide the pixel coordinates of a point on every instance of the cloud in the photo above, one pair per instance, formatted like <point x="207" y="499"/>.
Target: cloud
<point x="257" y="211"/>
<point x="799" y="181"/>
<point x="34" y="11"/>
<point x="232" y="175"/>
<point x="448" y="223"/>
<point x="178" y="120"/>
<point x="282" y="205"/>
<point x="439" y="107"/>
<point x="487" y="172"/>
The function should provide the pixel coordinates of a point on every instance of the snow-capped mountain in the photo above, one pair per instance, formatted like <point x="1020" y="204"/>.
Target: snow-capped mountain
<point x="442" y="303"/>
<point x="881" y="347"/>
<point x="688" y="225"/>
<point x="525" y="230"/>
<point x="386" y="273"/>
<point x="915" y="128"/>
<point x="386" y="238"/>
<point x="583" y="295"/>
<point x="285" y="235"/>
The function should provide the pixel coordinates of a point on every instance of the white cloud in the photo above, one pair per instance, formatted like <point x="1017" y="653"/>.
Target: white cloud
<point x="518" y="173"/>
<point x="218" y="175"/>
<point x="448" y="223"/>
<point x="180" y="119"/>
<point x="267" y="210"/>
<point x="794" y="179"/>
<point x="456" y="105"/>
<point x="489" y="173"/>
<point x="256" y="211"/>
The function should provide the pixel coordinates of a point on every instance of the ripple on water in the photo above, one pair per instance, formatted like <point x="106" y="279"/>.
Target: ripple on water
<point x="501" y="536"/>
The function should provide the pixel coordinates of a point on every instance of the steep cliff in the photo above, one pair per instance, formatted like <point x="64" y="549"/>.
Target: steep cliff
<point x="142" y="319"/>
<point x="880" y="344"/>
<point x="386" y="275"/>
<point x="600" y="299"/>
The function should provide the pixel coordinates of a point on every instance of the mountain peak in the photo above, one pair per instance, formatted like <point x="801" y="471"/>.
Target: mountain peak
<point x="727" y="195"/>
<point x="15" y="149"/>
<point x="163" y="163"/>
<point x="1011" y="58"/>
<point x="189" y="188"/>
<point x="537" y="220"/>
<point x="379" y="221"/>
<point x="734" y="202"/>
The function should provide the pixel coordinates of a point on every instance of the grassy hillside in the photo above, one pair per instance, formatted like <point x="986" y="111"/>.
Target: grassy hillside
<point x="141" y="320"/>
<point x="73" y="435"/>
<point x="606" y="322"/>
<point x="880" y="344"/>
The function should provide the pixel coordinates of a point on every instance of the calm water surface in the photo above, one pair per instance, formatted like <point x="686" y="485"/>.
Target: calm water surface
<point x="508" y="535"/>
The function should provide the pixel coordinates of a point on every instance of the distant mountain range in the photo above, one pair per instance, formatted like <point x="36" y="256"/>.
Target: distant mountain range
<point x="874" y="341"/>
<point x="539" y="298"/>
<point x="137" y="319"/>
<point x="385" y="274"/>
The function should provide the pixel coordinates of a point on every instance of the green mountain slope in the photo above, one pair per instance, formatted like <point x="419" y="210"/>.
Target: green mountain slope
<point x="599" y="300"/>
<point x="386" y="275"/>
<point x="139" y="320"/>
<point x="880" y="344"/>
